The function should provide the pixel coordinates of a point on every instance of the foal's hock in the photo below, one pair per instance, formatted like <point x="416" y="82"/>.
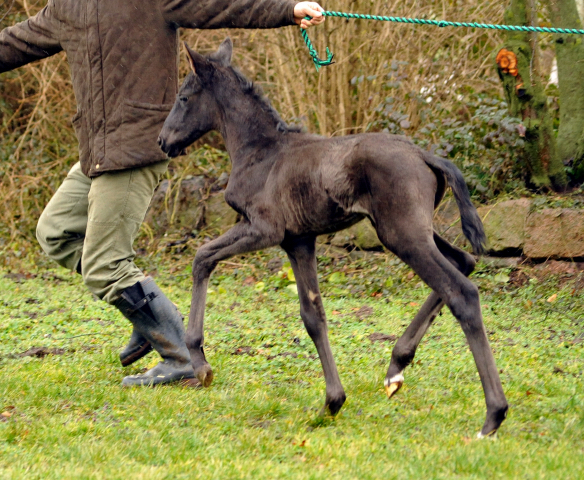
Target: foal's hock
<point x="290" y="187"/>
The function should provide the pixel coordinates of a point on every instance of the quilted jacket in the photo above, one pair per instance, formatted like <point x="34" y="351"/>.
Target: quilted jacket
<point x="123" y="56"/>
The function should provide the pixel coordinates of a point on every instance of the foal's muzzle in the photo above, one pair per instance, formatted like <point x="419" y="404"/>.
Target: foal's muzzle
<point x="171" y="151"/>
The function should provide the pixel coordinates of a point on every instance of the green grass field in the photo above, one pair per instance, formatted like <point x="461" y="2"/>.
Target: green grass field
<point x="65" y="415"/>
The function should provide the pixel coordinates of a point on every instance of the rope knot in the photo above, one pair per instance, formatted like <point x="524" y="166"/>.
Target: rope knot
<point x="442" y="23"/>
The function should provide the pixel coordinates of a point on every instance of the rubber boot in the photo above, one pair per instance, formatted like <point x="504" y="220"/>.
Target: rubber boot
<point x="157" y="319"/>
<point x="136" y="348"/>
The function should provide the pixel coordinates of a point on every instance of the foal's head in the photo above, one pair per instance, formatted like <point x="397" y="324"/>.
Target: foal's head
<point x="213" y="94"/>
<point x="196" y="110"/>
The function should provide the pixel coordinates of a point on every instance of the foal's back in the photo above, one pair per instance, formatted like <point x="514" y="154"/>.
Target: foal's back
<point x="324" y="184"/>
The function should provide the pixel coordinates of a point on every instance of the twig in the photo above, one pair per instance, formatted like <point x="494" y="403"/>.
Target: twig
<point x="8" y="11"/>
<point x="83" y="335"/>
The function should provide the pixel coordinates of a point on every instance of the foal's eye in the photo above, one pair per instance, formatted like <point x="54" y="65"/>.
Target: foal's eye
<point x="183" y="99"/>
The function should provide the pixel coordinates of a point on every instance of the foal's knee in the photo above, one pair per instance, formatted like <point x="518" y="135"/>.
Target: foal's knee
<point x="465" y="305"/>
<point x="202" y="264"/>
<point x="469" y="264"/>
<point x="463" y="261"/>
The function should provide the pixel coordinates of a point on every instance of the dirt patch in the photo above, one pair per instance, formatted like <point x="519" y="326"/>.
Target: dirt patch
<point x="382" y="337"/>
<point x="364" y="312"/>
<point x="40" y="352"/>
<point x="518" y="278"/>
<point x="19" y="277"/>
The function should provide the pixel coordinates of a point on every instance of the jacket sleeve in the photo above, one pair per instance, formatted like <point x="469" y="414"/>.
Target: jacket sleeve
<point x="31" y="40"/>
<point x="229" y="13"/>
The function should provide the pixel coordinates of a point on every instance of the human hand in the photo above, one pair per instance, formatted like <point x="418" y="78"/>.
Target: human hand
<point x="308" y="9"/>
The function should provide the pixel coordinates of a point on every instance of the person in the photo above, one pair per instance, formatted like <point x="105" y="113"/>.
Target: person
<point x="123" y="58"/>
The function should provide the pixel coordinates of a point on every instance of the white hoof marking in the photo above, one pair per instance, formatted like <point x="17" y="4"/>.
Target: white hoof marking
<point x="399" y="378"/>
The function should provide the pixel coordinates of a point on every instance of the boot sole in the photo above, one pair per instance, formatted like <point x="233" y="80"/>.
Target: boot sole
<point x="137" y="355"/>
<point x="190" y="383"/>
<point x="183" y="382"/>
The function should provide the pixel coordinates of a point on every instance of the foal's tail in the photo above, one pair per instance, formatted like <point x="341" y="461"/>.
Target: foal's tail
<point x="472" y="227"/>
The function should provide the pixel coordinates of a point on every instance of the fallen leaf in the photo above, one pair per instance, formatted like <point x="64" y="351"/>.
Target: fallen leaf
<point x="303" y="443"/>
<point x="243" y="351"/>
<point x="553" y="298"/>
<point x="249" y="281"/>
<point x="6" y="414"/>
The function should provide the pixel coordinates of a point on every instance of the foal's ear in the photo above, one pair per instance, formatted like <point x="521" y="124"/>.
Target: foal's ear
<point x="200" y="66"/>
<point x="223" y="54"/>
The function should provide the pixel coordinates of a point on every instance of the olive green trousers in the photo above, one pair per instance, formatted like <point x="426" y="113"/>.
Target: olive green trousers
<point x="90" y="226"/>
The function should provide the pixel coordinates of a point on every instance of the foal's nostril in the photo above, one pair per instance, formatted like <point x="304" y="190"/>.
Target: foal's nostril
<point x="161" y="143"/>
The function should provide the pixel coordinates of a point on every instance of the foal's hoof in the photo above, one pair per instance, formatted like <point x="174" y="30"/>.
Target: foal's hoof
<point x="393" y="384"/>
<point x="492" y="435"/>
<point x="333" y="406"/>
<point x="204" y="374"/>
<point x="494" y="420"/>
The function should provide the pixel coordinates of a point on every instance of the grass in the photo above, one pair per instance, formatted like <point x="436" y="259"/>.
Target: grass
<point x="66" y="416"/>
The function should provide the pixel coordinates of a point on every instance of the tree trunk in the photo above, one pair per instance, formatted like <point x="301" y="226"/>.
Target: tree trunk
<point x="570" y="57"/>
<point x="526" y="98"/>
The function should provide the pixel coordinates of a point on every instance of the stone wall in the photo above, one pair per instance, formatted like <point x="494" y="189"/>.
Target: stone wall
<point x="513" y="227"/>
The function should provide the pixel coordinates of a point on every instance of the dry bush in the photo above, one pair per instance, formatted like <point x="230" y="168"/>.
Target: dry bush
<point x="36" y="101"/>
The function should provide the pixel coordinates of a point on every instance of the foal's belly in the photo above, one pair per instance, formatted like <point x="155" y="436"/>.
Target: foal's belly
<point x="318" y="218"/>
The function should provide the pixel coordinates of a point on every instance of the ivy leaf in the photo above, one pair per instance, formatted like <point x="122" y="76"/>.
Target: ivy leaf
<point x="337" y="278"/>
<point x="501" y="278"/>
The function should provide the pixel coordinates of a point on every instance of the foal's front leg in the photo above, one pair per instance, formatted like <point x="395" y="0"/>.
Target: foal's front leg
<point x="301" y="253"/>
<point x="244" y="237"/>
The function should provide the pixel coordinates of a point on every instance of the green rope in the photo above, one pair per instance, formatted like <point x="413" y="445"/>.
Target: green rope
<point x="421" y="21"/>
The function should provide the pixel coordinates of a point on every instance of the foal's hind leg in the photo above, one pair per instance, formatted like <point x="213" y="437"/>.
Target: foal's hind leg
<point x="462" y="297"/>
<point x="301" y="253"/>
<point x="242" y="238"/>
<point x="405" y="349"/>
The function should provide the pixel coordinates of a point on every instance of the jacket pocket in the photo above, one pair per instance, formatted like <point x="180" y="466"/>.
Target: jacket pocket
<point x="141" y="125"/>
<point x="80" y="127"/>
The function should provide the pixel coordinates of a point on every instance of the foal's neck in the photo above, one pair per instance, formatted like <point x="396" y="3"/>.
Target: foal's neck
<point x="250" y="131"/>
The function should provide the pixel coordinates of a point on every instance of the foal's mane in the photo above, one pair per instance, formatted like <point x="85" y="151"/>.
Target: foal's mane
<point x="257" y="94"/>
